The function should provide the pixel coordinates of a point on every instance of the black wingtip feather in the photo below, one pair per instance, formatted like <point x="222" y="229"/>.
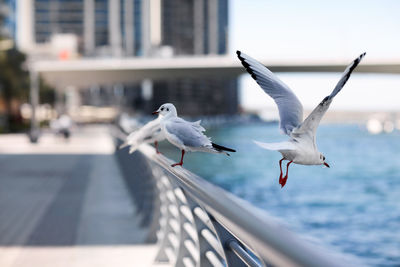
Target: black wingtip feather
<point x="246" y="65"/>
<point x="222" y="148"/>
<point x="344" y="80"/>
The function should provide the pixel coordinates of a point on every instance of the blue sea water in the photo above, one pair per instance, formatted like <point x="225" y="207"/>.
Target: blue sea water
<point x="352" y="208"/>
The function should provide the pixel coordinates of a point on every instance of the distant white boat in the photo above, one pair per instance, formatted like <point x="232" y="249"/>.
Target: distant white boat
<point x="376" y="126"/>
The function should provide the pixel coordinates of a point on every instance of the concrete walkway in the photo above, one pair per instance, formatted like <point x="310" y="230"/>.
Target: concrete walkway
<point x="65" y="203"/>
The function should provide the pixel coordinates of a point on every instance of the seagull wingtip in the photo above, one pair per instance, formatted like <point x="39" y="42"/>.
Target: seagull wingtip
<point x="238" y="52"/>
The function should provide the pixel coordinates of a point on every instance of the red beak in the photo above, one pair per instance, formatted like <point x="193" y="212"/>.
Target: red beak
<point x="326" y="164"/>
<point x="155" y="113"/>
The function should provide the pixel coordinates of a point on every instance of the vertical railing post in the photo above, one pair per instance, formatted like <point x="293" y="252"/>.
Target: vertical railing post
<point x="188" y="253"/>
<point x="200" y="226"/>
<point x="167" y="237"/>
<point x="34" y="98"/>
<point x="155" y="206"/>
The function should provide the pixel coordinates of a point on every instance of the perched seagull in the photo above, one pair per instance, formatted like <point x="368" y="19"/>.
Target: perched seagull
<point x="188" y="136"/>
<point x="301" y="148"/>
<point x="149" y="133"/>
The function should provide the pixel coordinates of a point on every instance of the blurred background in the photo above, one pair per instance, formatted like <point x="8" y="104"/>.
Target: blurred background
<point x="36" y="35"/>
<point x="83" y="62"/>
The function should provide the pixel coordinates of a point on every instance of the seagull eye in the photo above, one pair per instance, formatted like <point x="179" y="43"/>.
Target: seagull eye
<point x="162" y="109"/>
<point x="167" y="109"/>
<point x="323" y="157"/>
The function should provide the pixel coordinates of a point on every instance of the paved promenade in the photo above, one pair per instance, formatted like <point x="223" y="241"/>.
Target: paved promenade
<point x="65" y="203"/>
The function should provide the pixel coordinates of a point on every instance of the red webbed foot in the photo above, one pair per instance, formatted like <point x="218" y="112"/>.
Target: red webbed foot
<point x="181" y="162"/>
<point x="283" y="182"/>
<point x="177" y="164"/>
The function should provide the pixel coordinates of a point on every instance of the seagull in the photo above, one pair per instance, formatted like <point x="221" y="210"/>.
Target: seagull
<point x="149" y="133"/>
<point x="187" y="136"/>
<point x="301" y="148"/>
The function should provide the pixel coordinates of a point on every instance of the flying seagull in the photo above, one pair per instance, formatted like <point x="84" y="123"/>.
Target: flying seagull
<point x="187" y="136"/>
<point x="149" y="133"/>
<point x="301" y="148"/>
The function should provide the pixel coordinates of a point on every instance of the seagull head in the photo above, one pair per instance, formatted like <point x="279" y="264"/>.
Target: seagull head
<point x="166" y="110"/>
<point x="322" y="160"/>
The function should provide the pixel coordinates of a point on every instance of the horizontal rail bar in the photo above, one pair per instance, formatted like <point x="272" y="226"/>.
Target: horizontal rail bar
<point x="188" y="262"/>
<point x="212" y="240"/>
<point x="170" y="254"/>
<point x="174" y="225"/>
<point x="191" y="248"/>
<point x="173" y="240"/>
<point x="190" y="230"/>
<point x="243" y="254"/>
<point x="213" y="259"/>
<point x="203" y="217"/>
<point x="186" y="212"/>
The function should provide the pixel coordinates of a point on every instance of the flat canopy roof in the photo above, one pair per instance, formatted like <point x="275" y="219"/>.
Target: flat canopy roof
<point x="89" y="71"/>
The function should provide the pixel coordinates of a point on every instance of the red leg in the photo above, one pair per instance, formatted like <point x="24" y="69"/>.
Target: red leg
<point x="156" y="145"/>
<point x="280" y="167"/>
<point x="181" y="162"/>
<point x="286" y="176"/>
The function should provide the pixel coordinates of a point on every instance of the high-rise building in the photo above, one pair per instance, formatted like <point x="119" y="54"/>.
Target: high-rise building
<point x="125" y="27"/>
<point x="136" y="28"/>
<point x="57" y="17"/>
<point x="7" y="13"/>
<point x="196" y="27"/>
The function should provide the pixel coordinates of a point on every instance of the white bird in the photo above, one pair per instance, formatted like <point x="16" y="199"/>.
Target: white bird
<point x="149" y="133"/>
<point x="188" y="136"/>
<point x="301" y="148"/>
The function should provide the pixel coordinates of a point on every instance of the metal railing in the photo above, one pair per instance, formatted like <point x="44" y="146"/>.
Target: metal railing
<point x="197" y="223"/>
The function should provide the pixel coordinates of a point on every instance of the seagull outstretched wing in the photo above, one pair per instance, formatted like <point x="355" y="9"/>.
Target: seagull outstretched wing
<point x="290" y="108"/>
<point x="310" y="124"/>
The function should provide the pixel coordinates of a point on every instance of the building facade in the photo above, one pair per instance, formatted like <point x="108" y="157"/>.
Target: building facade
<point x="135" y="28"/>
<point x="8" y="18"/>
<point x="196" y="28"/>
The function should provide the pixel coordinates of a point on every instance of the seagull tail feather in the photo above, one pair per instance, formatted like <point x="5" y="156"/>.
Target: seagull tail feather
<point x="222" y="148"/>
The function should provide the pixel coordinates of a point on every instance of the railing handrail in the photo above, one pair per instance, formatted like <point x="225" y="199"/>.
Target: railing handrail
<point x="261" y="233"/>
<point x="250" y="225"/>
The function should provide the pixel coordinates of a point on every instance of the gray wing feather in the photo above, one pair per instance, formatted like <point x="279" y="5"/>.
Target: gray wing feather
<point x="190" y="134"/>
<point x="311" y="123"/>
<point x="290" y="108"/>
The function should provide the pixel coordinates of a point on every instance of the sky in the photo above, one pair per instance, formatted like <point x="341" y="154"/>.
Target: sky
<point x="332" y="30"/>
